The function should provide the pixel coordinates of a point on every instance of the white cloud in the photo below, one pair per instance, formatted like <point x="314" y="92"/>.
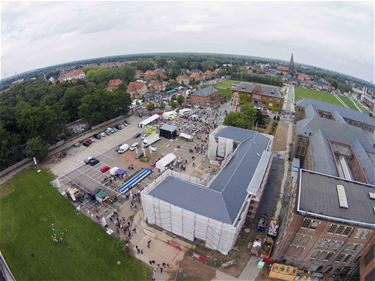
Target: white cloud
<point x="334" y="35"/>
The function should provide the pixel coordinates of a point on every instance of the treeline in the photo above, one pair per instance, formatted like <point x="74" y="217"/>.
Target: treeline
<point x="270" y="80"/>
<point x="34" y="115"/>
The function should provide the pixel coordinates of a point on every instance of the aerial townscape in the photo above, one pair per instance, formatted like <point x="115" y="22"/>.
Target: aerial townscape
<point x="185" y="166"/>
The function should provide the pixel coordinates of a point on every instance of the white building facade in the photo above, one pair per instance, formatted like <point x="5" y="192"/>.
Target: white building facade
<point x="213" y="213"/>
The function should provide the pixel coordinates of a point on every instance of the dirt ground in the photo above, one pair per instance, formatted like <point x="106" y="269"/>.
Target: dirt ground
<point x="190" y="267"/>
<point x="280" y="139"/>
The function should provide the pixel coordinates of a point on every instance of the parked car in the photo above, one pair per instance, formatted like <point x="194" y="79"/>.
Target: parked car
<point x="137" y="135"/>
<point x="123" y="148"/>
<point x="262" y="223"/>
<point x="93" y="162"/>
<point x="97" y="136"/>
<point x="103" y="134"/>
<point x="133" y="146"/>
<point x="86" y="161"/>
<point x="153" y="148"/>
<point x="87" y="142"/>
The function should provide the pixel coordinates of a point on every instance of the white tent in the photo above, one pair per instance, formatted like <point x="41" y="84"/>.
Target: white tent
<point x="183" y="111"/>
<point x="167" y="114"/>
<point x="165" y="161"/>
<point x="148" y="120"/>
<point x="186" y="136"/>
<point x="113" y="171"/>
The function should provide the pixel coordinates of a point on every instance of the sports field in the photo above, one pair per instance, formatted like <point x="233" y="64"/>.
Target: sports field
<point x="224" y="88"/>
<point x="32" y="212"/>
<point x="348" y="102"/>
<point x="302" y="93"/>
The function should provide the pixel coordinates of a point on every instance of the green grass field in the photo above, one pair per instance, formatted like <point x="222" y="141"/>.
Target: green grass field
<point x="302" y="93"/>
<point x="224" y="88"/>
<point x="348" y="102"/>
<point x="28" y="207"/>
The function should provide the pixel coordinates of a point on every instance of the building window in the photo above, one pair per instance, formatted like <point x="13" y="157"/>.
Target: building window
<point x="361" y="233"/>
<point x="370" y="255"/>
<point x="314" y="255"/>
<point x="340" y="229"/>
<point x="339" y="257"/>
<point x="306" y="223"/>
<point x="347" y="258"/>
<point x="347" y="230"/>
<point x="332" y="228"/>
<point x="328" y="256"/>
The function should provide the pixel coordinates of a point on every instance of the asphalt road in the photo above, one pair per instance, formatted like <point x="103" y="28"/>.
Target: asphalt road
<point x="271" y="193"/>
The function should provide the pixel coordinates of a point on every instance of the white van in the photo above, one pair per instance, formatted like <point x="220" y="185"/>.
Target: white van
<point x="133" y="146"/>
<point x="123" y="148"/>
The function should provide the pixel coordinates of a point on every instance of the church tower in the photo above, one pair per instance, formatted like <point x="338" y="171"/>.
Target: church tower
<point x="291" y="69"/>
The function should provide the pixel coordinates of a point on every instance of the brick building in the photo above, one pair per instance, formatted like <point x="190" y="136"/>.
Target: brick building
<point x="260" y="95"/>
<point x="208" y="96"/>
<point x="183" y="79"/>
<point x="329" y="221"/>
<point x="113" y="84"/>
<point x="367" y="262"/>
<point x="136" y="89"/>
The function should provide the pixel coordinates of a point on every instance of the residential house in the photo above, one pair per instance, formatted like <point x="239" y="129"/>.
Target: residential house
<point x="208" y="96"/>
<point x="113" y="84"/>
<point x="72" y="76"/>
<point x="136" y="89"/>
<point x="183" y="79"/>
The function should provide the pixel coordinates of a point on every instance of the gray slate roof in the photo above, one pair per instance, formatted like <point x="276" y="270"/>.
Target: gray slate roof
<point x="248" y="87"/>
<point x="223" y="198"/>
<point x="169" y="128"/>
<point x="344" y="112"/>
<point x="322" y="130"/>
<point x="318" y="195"/>
<point x="204" y="92"/>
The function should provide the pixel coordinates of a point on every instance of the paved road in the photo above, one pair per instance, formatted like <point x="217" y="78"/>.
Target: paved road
<point x="290" y="99"/>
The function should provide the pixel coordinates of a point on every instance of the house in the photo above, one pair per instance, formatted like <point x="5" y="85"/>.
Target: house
<point x="136" y="89"/>
<point x="213" y="212"/>
<point x="208" y="75"/>
<point x="260" y="95"/>
<point x="150" y="75"/>
<point x="72" y="76"/>
<point x="208" y="96"/>
<point x="183" y="79"/>
<point x="156" y="86"/>
<point x="139" y="74"/>
<point x="196" y="76"/>
<point x="283" y="68"/>
<point x="113" y="84"/>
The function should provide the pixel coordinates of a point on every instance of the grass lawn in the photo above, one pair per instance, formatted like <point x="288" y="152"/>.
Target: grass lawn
<point x="28" y="207"/>
<point x="224" y="88"/>
<point x="348" y="102"/>
<point x="302" y="93"/>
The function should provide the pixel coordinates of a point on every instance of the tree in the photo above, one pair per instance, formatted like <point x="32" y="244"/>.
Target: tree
<point x="173" y="104"/>
<point x="9" y="151"/>
<point x="150" y="106"/>
<point x="162" y="106"/>
<point x="180" y="100"/>
<point x="249" y="113"/>
<point x="36" y="147"/>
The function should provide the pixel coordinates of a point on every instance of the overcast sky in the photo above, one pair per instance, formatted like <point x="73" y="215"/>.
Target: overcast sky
<point x="337" y="36"/>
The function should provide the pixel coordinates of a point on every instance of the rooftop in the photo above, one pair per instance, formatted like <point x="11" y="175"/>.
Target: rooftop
<point x="260" y="89"/>
<point x="224" y="196"/>
<point x="167" y="127"/>
<point x="318" y="196"/>
<point x="204" y="92"/>
<point x="346" y="113"/>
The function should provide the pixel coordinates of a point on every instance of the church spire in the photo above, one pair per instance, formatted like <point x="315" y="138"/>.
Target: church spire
<point x="291" y="69"/>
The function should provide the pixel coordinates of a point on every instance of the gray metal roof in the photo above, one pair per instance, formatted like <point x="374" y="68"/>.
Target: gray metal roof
<point x="321" y="130"/>
<point x="169" y="128"/>
<point x="266" y="90"/>
<point x="318" y="196"/>
<point x="204" y="92"/>
<point x="223" y="198"/>
<point x="344" y="112"/>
